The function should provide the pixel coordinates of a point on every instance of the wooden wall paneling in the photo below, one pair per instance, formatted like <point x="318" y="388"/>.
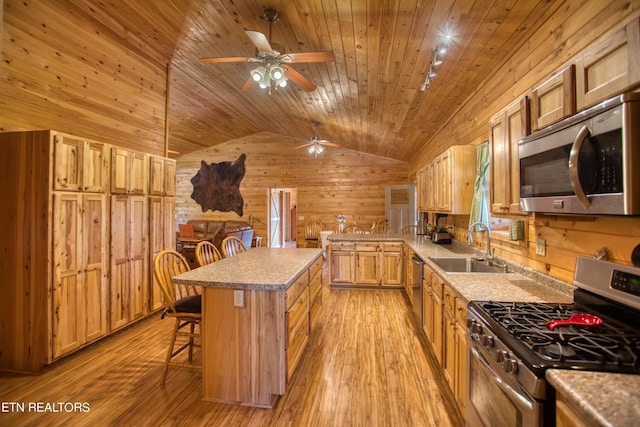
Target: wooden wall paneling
<point x="26" y="242"/>
<point x="338" y="181"/>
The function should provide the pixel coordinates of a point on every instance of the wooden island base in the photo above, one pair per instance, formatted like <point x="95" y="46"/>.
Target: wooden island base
<point x="257" y="309"/>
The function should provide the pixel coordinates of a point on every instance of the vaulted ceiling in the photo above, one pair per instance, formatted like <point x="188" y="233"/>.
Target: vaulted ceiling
<point x="368" y="100"/>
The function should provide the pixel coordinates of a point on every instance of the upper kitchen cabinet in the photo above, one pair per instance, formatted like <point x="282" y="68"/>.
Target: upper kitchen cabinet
<point x="129" y="171"/>
<point x="609" y="66"/>
<point x="452" y="178"/>
<point x="162" y="176"/>
<point x="506" y="129"/>
<point x="79" y="164"/>
<point x="554" y="99"/>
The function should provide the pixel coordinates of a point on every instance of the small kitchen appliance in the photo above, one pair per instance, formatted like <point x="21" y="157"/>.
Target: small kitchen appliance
<point x="441" y="235"/>
<point x="512" y="344"/>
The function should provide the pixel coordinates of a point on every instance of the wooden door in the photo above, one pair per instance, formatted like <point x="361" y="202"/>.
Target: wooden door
<point x="67" y="293"/>
<point x="139" y="173"/>
<point x="169" y="177"/>
<point x="95" y="243"/>
<point x="342" y="267"/>
<point x="400" y="206"/>
<point x="138" y="279"/>
<point x="156" y="176"/>
<point x="95" y="167"/>
<point x="367" y="268"/>
<point x="120" y="237"/>
<point x="67" y="165"/>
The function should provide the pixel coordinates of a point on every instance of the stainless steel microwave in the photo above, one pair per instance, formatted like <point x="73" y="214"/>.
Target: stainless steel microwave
<point x="585" y="164"/>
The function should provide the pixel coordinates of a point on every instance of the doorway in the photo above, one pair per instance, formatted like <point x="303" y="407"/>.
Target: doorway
<point x="282" y="217"/>
<point x="400" y="206"/>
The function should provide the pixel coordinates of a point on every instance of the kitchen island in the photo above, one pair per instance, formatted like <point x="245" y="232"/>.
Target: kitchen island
<point x="256" y="309"/>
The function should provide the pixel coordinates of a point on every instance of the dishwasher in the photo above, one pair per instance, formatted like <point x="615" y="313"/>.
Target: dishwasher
<point x="418" y="271"/>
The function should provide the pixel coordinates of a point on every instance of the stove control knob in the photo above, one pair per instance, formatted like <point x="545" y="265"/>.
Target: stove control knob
<point x="476" y="328"/>
<point x="510" y="366"/>
<point x="487" y="341"/>
<point x="500" y="355"/>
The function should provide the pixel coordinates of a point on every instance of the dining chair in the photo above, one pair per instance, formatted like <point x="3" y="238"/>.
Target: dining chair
<point x="206" y="253"/>
<point x="312" y="233"/>
<point x="231" y="246"/>
<point x="409" y="229"/>
<point x="381" y="228"/>
<point x="182" y="303"/>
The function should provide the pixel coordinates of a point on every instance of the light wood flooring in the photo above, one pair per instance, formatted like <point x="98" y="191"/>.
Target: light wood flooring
<point x="364" y="366"/>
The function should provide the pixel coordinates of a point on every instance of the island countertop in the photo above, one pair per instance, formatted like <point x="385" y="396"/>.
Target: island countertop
<point x="256" y="269"/>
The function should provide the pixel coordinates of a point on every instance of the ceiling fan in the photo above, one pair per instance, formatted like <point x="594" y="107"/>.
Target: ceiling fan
<point x="273" y="65"/>
<point x="316" y="144"/>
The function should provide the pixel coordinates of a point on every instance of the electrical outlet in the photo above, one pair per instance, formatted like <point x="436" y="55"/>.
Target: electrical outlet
<point x="541" y="247"/>
<point x="238" y="298"/>
<point x="300" y="217"/>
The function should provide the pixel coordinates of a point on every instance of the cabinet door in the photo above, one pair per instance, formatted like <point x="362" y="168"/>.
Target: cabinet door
<point x="138" y="279"/>
<point x="609" y="66"/>
<point x="367" y="268"/>
<point x="430" y="187"/>
<point x="461" y="366"/>
<point x="120" y="238"/>
<point x="342" y="267"/>
<point x="68" y="293"/>
<point x="95" y="243"/>
<point x="436" y="336"/>
<point x="139" y="173"/>
<point x="95" y="170"/>
<point x="449" y="359"/>
<point x="169" y="177"/>
<point x="156" y="176"/>
<point x="67" y="165"/>
<point x="443" y="175"/>
<point x="161" y="236"/>
<point x="554" y="99"/>
<point x="392" y="269"/>
<point x="506" y="129"/>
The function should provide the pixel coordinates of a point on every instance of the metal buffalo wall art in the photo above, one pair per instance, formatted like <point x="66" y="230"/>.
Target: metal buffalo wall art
<point x="217" y="186"/>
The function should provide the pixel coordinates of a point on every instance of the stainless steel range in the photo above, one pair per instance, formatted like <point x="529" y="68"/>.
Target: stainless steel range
<point x="512" y="344"/>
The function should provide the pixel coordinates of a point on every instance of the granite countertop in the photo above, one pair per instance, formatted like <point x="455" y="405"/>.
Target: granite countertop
<point x="256" y="269"/>
<point x="599" y="398"/>
<point x="522" y="284"/>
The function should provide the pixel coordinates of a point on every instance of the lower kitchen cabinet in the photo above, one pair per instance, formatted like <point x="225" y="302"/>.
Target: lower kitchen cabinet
<point x="366" y="264"/>
<point x="408" y="272"/>
<point x="444" y="324"/>
<point x="566" y="416"/>
<point x="315" y="290"/>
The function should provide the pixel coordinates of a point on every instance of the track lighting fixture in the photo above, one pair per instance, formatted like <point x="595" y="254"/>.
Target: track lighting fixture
<point x="437" y="53"/>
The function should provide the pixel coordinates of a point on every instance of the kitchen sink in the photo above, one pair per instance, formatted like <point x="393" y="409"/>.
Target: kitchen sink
<point x="466" y="265"/>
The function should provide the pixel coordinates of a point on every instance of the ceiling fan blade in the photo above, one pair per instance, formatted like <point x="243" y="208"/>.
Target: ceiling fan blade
<point x="260" y="41"/>
<point x="308" y="57"/>
<point x="331" y="144"/>
<point x="248" y="85"/>
<point x="227" y="59"/>
<point x="303" y="145"/>
<point x="299" y="79"/>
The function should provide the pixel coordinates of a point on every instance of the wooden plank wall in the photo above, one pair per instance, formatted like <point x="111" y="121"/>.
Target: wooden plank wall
<point x="561" y="36"/>
<point x="337" y="181"/>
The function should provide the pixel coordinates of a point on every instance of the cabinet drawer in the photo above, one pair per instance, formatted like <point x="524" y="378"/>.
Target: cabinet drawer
<point x="315" y="268"/>
<point x="436" y="285"/>
<point x="296" y="289"/>
<point x="461" y="312"/>
<point x="392" y="246"/>
<point x="367" y="247"/>
<point x="315" y="286"/>
<point x="342" y="246"/>
<point x="298" y="310"/>
<point x="449" y="299"/>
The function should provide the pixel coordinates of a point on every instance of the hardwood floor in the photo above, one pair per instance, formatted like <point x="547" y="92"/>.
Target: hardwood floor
<point x="364" y="366"/>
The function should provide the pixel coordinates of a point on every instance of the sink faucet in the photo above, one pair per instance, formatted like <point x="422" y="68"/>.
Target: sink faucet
<point x="489" y="256"/>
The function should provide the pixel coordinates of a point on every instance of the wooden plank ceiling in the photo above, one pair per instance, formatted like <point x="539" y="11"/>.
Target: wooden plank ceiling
<point x="368" y="100"/>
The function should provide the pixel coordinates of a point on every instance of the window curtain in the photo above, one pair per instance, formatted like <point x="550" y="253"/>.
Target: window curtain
<point x="479" y="207"/>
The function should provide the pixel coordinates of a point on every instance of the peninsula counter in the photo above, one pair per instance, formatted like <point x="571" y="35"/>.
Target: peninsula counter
<point x="256" y="317"/>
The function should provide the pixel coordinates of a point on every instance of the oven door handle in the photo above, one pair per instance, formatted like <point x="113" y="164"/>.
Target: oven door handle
<point x="574" y="156"/>
<point x="522" y="402"/>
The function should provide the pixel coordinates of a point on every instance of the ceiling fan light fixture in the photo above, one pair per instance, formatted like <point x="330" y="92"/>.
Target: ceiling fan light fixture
<point x="258" y="74"/>
<point x="283" y="82"/>
<point x="276" y="73"/>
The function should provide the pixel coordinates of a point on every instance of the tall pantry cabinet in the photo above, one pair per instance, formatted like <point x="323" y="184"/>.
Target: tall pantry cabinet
<point x="74" y="265"/>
